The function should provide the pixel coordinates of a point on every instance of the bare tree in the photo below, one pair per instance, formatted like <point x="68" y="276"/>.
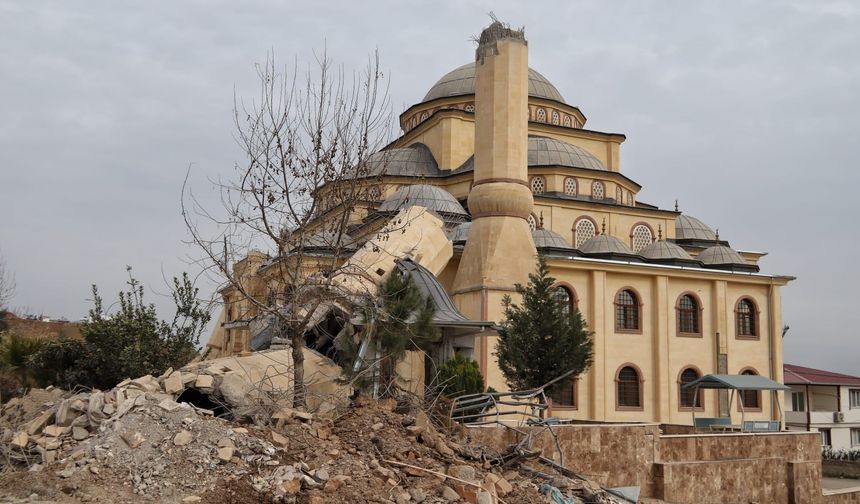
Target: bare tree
<point x="307" y="139"/>
<point x="7" y="284"/>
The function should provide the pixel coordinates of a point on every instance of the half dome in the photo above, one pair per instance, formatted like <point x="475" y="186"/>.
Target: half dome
<point x="545" y="151"/>
<point x="688" y="227"/>
<point x="428" y="196"/>
<point x="413" y="161"/>
<point x="461" y="81"/>
<point x="544" y="238"/>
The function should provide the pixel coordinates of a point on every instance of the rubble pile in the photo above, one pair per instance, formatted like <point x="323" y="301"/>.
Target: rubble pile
<point x="135" y="443"/>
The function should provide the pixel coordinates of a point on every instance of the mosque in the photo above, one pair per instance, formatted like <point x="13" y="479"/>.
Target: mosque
<point x="496" y="152"/>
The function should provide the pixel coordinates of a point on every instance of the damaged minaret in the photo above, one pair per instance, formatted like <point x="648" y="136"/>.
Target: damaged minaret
<point x="500" y="251"/>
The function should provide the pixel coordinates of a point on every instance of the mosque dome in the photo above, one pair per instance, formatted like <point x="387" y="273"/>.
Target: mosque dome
<point x="690" y="228"/>
<point x="663" y="251"/>
<point x="720" y="255"/>
<point x="460" y="233"/>
<point x="544" y="238"/>
<point x="461" y="81"/>
<point x="428" y="196"/>
<point x="545" y="151"/>
<point x="413" y="161"/>
<point x="604" y="244"/>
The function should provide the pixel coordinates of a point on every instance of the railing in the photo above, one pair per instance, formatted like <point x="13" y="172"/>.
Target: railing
<point x="822" y="417"/>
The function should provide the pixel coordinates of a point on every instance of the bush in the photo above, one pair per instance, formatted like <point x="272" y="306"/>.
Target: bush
<point x="828" y="453"/>
<point x="15" y="353"/>
<point x="461" y="376"/>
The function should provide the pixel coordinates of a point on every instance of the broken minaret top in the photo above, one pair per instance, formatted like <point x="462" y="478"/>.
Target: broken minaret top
<point x="492" y="34"/>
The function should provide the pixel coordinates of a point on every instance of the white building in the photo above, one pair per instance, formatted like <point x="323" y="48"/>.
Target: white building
<point x="825" y="402"/>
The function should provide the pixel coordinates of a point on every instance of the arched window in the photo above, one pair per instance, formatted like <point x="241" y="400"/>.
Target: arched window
<point x="630" y="199"/>
<point x="688" y="315"/>
<point x="751" y="398"/>
<point x="424" y="116"/>
<point x="541" y="115"/>
<point x="626" y="311"/>
<point x="556" y="119"/>
<point x="629" y="385"/>
<point x="532" y="222"/>
<point x="570" y="186"/>
<point x="564" y="298"/>
<point x="597" y="190"/>
<point x="470" y="108"/>
<point x="374" y="193"/>
<point x="746" y="317"/>
<point x="538" y="184"/>
<point x="687" y="398"/>
<point x="563" y="393"/>
<point x="583" y="231"/>
<point x="641" y="237"/>
<point x="619" y="195"/>
<point x="567" y="121"/>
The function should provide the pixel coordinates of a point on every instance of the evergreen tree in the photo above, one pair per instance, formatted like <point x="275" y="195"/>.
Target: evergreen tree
<point x="541" y="340"/>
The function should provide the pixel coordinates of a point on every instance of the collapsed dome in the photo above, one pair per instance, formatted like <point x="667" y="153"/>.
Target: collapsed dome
<point x="461" y="81"/>
<point x="430" y="197"/>
<point x="413" y="161"/>
<point x="544" y="238"/>
<point x="545" y="151"/>
<point x="604" y="244"/>
<point x="690" y="228"/>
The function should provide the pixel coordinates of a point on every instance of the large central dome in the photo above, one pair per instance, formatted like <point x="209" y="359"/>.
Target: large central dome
<point x="461" y="81"/>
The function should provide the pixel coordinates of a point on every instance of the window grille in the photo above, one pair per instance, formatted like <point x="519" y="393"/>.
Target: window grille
<point x="567" y="121"/>
<point x="688" y="315"/>
<point x="597" y="190"/>
<point x="563" y="393"/>
<point x="619" y="195"/>
<point x="541" y="115"/>
<point x="628" y="388"/>
<point x="642" y="237"/>
<point x="584" y="231"/>
<point x="532" y="222"/>
<point x="688" y="396"/>
<point x="555" y="118"/>
<point x="564" y="299"/>
<point x="570" y="186"/>
<point x="751" y="398"/>
<point x="470" y="108"/>
<point x="746" y="318"/>
<point x="538" y="185"/>
<point x="629" y="199"/>
<point x="627" y="311"/>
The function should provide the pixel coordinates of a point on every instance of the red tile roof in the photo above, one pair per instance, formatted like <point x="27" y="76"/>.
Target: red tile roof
<point x="799" y="375"/>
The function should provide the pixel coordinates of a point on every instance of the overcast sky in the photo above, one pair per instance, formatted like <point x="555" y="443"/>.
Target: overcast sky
<point x="747" y="112"/>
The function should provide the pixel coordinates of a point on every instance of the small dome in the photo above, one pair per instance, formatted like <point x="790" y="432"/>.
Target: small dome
<point x="690" y="228"/>
<point x="413" y="161"/>
<point x="662" y="250"/>
<point x="461" y="81"/>
<point x="551" y="152"/>
<point x="460" y="233"/>
<point x="431" y="197"/>
<point x="544" y="238"/>
<point x="605" y="244"/>
<point x="720" y="255"/>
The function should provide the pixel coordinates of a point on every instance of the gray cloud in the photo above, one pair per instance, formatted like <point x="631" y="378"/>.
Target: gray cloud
<point x="744" y="111"/>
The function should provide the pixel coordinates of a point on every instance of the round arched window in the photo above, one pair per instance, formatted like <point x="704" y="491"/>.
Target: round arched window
<point x="567" y="121"/>
<point x="688" y="314"/>
<point x="532" y="222"/>
<point x="626" y="311"/>
<point x="470" y="108"/>
<point x="619" y="195"/>
<point x="538" y="185"/>
<point x="597" y="190"/>
<point x="556" y="119"/>
<point x="541" y="115"/>
<point x="374" y="193"/>
<point x="630" y="199"/>
<point x="570" y="186"/>
<point x="583" y="231"/>
<point x="642" y="237"/>
<point x="687" y="397"/>
<point x="629" y="390"/>
<point x="564" y="298"/>
<point x="746" y="319"/>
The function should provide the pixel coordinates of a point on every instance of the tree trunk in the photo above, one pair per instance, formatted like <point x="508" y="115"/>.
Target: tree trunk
<point x="298" y="342"/>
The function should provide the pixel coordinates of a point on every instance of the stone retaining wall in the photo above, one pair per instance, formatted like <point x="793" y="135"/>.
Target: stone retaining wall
<point x="841" y="468"/>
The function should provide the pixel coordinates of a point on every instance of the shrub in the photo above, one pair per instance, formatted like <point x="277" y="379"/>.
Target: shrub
<point x="461" y="376"/>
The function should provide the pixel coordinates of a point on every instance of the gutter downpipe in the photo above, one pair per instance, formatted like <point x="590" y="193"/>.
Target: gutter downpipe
<point x="808" y="412"/>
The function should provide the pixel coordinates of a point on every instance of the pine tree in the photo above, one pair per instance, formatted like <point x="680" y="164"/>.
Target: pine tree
<point x="541" y="340"/>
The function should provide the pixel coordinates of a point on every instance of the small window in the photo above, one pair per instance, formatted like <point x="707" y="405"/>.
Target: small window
<point x="798" y="401"/>
<point x="629" y="390"/>
<point x="751" y="398"/>
<point x="746" y="319"/>
<point x="597" y="190"/>
<point x="570" y="186"/>
<point x="854" y="398"/>
<point x="688" y="315"/>
<point x="825" y="437"/>
<point x="541" y="115"/>
<point x="567" y="121"/>
<point x="564" y="299"/>
<point x="626" y="311"/>
<point x="855" y="437"/>
<point x="532" y="222"/>
<point x="583" y="231"/>
<point x="629" y="199"/>
<point x="424" y="116"/>
<point x="470" y="108"/>
<point x="563" y="393"/>
<point x="688" y="396"/>
<point x="538" y="185"/>
<point x="619" y="195"/>
<point x="641" y="237"/>
<point x="374" y="193"/>
<point x="555" y="118"/>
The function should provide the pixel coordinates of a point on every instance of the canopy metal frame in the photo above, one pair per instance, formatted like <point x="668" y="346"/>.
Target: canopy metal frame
<point x="736" y="383"/>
